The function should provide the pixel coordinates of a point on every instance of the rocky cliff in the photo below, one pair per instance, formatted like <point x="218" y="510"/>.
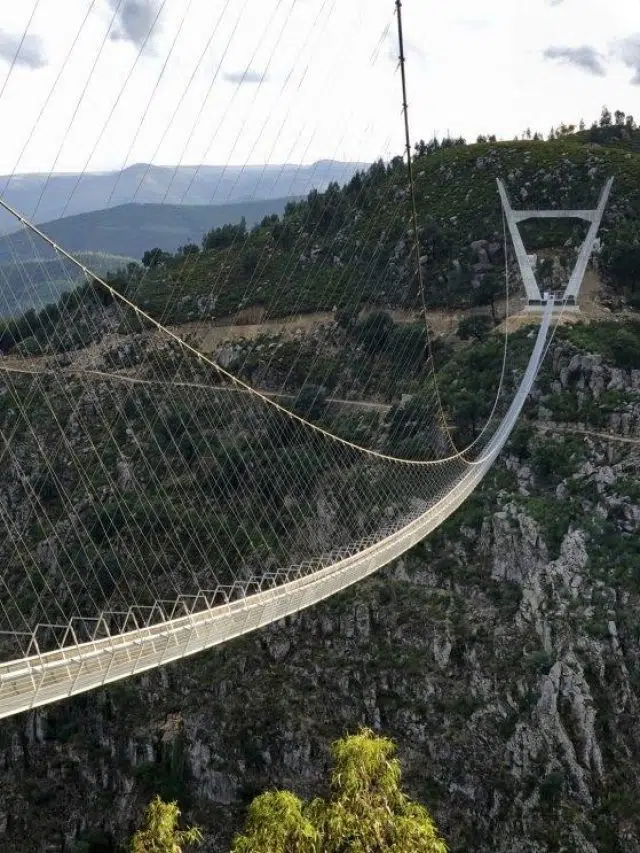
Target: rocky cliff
<point x="502" y="654"/>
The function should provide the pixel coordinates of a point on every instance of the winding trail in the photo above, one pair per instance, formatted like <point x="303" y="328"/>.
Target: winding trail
<point x="551" y="426"/>
<point x="13" y="366"/>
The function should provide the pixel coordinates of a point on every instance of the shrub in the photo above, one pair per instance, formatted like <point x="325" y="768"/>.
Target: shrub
<point x="475" y="326"/>
<point x="367" y="811"/>
<point x="374" y="331"/>
<point x="310" y="402"/>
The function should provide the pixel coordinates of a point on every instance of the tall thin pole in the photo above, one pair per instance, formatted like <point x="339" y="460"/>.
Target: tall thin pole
<point x="414" y="220"/>
<point x="405" y="105"/>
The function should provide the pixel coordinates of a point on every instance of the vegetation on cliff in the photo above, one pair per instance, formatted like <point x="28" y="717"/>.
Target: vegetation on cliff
<point x="366" y="812"/>
<point x="160" y="833"/>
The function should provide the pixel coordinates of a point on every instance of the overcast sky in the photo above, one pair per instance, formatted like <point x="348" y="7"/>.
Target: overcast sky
<point x="107" y="83"/>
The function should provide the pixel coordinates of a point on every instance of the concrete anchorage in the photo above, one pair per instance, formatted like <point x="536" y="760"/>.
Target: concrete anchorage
<point x="569" y="298"/>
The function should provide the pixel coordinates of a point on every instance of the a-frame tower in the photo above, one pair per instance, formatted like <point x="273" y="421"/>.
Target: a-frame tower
<point x="570" y="296"/>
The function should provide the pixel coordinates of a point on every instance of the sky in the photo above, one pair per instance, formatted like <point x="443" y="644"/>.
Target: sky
<point x="101" y="84"/>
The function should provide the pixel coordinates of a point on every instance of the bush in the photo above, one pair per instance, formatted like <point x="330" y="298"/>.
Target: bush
<point x="408" y="344"/>
<point x="625" y="348"/>
<point x="30" y="346"/>
<point x="551" y="788"/>
<point x="367" y="810"/>
<point x="347" y="316"/>
<point x="475" y="326"/>
<point x="374" y="331"/>
<point x="95" y="841"/>
<point x="310" y="402"/>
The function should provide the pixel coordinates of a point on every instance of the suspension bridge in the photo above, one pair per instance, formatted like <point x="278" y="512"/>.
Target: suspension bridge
<point x="147" y="517"/>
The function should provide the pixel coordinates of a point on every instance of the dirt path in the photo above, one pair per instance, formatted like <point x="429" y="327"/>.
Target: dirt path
<point x="211" y="334"/>
<point x="33" y="368"/>
<point x="129" y="378"/>
<point x="590" y="308"/>
<point x="577" y="430"/>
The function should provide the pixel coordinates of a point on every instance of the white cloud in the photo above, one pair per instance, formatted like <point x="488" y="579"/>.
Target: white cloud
<point x="24" y="50"/>
<point x="586" y="58"/>
<point x="136" y="20"/>
<point x="628" y="50"/>
<point x="332" y="91"/>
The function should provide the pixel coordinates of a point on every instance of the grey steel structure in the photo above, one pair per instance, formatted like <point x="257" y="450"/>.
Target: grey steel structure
<point x="570" y="296"/>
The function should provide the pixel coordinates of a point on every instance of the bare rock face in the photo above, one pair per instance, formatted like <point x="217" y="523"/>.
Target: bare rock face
<point x="515" y="532"/>
<point x="211" y="785"/>
<point x="561" y="731"/>
<point x="125" y="475"/>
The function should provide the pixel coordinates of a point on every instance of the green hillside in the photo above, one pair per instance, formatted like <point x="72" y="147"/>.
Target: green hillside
<point x="354" y="246"/>
<point x="356" y="243"/>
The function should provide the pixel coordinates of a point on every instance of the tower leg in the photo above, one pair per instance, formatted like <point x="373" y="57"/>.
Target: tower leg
<point x="528" y="277"/>
<point x="577" y="277"/>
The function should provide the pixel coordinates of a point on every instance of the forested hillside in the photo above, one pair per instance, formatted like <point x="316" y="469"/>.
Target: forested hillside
<point x="355" y="243"/>
<point x="502" y="654"/>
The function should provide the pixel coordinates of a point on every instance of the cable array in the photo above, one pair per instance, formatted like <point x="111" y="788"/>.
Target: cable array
<point x="146" y="478"/>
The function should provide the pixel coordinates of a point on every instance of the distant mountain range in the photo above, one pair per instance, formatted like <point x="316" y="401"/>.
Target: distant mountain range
<point x="46" y="198"/>
<point x="130" y="229"/>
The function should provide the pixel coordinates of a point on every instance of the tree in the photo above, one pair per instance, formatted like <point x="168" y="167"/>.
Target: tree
<point x="366" y="812"/>
<point x="189" y="249"/>
<point x="310" y="402"/>
<point x="225" y="236"/>
<point x="468" y="412"/>
<point x="605" y="118"/>
<point x="160" y="833"/>
<point x="408" y="345"/>
<point x="489" y="289"/>
<point x="276" y="824"/>
<point x="374" y="330"/>
<point x="153" y="257"/>
<point x="475" y="326"/>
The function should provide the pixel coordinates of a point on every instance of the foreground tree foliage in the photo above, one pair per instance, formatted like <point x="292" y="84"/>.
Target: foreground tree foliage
<point x="366" y="812"/>
<point x="160" y="833"/>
